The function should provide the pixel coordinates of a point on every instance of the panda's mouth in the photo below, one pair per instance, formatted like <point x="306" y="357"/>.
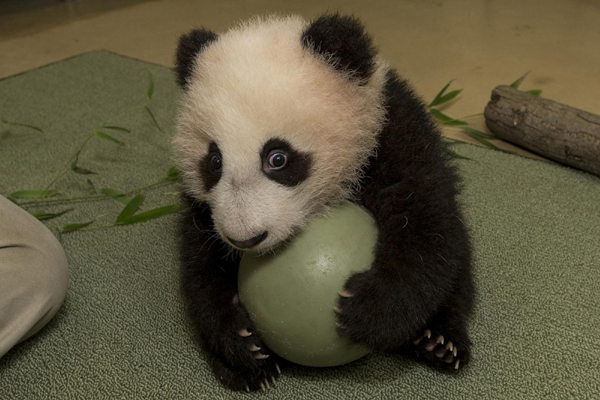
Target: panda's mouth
<point x="248" y="243"/>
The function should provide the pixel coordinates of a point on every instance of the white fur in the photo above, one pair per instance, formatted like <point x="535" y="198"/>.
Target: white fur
<point x="257" y="82"/>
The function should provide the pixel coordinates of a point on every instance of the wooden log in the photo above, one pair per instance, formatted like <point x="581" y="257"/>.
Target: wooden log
<point x="554" y="130"/>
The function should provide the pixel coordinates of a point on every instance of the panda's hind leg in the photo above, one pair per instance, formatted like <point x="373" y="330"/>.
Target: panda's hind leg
<point x="444" y="341"/>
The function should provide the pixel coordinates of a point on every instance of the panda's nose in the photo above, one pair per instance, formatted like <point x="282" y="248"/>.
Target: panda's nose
<point x="246" y="244"/>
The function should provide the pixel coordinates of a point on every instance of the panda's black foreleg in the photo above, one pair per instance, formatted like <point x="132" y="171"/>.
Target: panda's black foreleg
<point x="420" y="278"/>
<point x="233" y="348"/>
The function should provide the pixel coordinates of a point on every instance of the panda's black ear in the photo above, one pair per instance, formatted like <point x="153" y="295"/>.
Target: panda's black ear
<point x="190" y="45"/>
<point x="343" y="40"/>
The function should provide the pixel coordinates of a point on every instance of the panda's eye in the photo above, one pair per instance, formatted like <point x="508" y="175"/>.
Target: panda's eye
<point x="215" y="163"/>
<point x="283" y="164"/>
<point x="277" y="160"/>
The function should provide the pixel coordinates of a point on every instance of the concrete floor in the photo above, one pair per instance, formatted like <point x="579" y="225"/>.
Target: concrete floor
<point x="478" y="43"/>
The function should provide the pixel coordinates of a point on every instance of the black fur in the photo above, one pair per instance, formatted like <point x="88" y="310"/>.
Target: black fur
<point x="421" y="277"/>
<point x="188" y="48"/>
<point x="209" y="284"/>
<point x="343" y="38"/>
<point x="420" y="281"/>
<point x="295" y="171"/>
<point x="210" y="175"/>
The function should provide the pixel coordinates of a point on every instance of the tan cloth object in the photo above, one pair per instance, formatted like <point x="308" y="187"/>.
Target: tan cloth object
<point x="34" y="275"/>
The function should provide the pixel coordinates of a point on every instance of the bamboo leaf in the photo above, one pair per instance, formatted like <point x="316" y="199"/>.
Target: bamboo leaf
<point x="23" y="125"/>
<point x="33" y="194"/>
<point x="535" y="92"/>
<point x="446" y="98"/>
<point x="484" y="141"/>
<point x="44" y="216"/>
<point x="149" y="215"/>
<point x="108" y="137"/>
<point x="440" y="94"/>
<point x="93" y="188"/>
<point x="479" y="133"/>
<point x="150" y="86"/>
<point x="80" y="170"/>
<point x="477" y="136"/>
<point x="118" y="196"/>
<point x="173" y="174"/>
<point x="440" y="116"/>
<point x="153" y="119"/>
<point x="518" y="82"/>
<point x="456" y="155"/>
<point x="451" y="142"/>
<point x="444" y="119"/>
<point x="117" y="128"/>
<point x="74" y="227"/>
<point x="130" y="209"/>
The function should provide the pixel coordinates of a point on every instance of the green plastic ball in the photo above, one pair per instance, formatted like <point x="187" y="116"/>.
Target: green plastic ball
<point x="290" y="295"/>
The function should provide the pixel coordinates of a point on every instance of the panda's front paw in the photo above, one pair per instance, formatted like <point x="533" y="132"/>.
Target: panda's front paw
<point x="248" y="378"/>
<point x="241" y="360"/>
<point x="372" y="312"/>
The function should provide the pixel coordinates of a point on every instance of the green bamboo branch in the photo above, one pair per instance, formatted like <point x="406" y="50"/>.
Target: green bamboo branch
<point x="96" y="197"/>
<point x="148" y="186"/>
<point x="68" y="163"/>
<point x="95" y="130"/>
<point x="5" y="122"/>
<point x="91" y="135"/>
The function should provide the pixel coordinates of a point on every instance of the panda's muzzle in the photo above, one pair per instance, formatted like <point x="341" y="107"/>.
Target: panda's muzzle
<point x="246" y="244"/>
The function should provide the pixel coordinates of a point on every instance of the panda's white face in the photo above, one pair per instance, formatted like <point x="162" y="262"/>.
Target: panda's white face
<point x="271" y="135"/>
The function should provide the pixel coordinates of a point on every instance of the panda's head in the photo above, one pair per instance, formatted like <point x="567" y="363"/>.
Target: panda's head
<point x="277" y="118"/>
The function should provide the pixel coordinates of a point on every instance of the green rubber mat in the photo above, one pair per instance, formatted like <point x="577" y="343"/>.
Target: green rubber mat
<point x="122" y="332"/>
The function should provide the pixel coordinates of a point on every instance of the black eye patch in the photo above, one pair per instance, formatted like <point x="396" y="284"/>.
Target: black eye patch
<point x="211" y="166"/>
<point x="296" y="167"/>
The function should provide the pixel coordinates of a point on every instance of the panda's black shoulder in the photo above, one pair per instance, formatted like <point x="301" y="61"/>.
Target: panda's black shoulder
<point x="406" y="112"/>
<point x="410" y="145"/>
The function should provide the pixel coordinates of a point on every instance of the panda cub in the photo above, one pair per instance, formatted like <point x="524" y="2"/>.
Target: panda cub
<point x="281" y="119"/>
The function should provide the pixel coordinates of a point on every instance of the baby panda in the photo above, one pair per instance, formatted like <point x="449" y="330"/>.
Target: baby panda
<point x="281" y="119"/>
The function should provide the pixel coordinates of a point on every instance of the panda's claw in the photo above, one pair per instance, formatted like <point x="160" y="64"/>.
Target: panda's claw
<point x="244" y="332"/>
<point x="260" y="356"/>
<point x="345" y="293"/>
<point x="262" y="386"/>
<point x="438" y="350"/>
<point x="340" y="325"/>
<point x="247" y="389"/>
<point x="254" y="347"/>
<point x="278" y="369"/>
<point x="267" y="383"/>
<point x="273" y="379"/>
<point x="337" y="310"/>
